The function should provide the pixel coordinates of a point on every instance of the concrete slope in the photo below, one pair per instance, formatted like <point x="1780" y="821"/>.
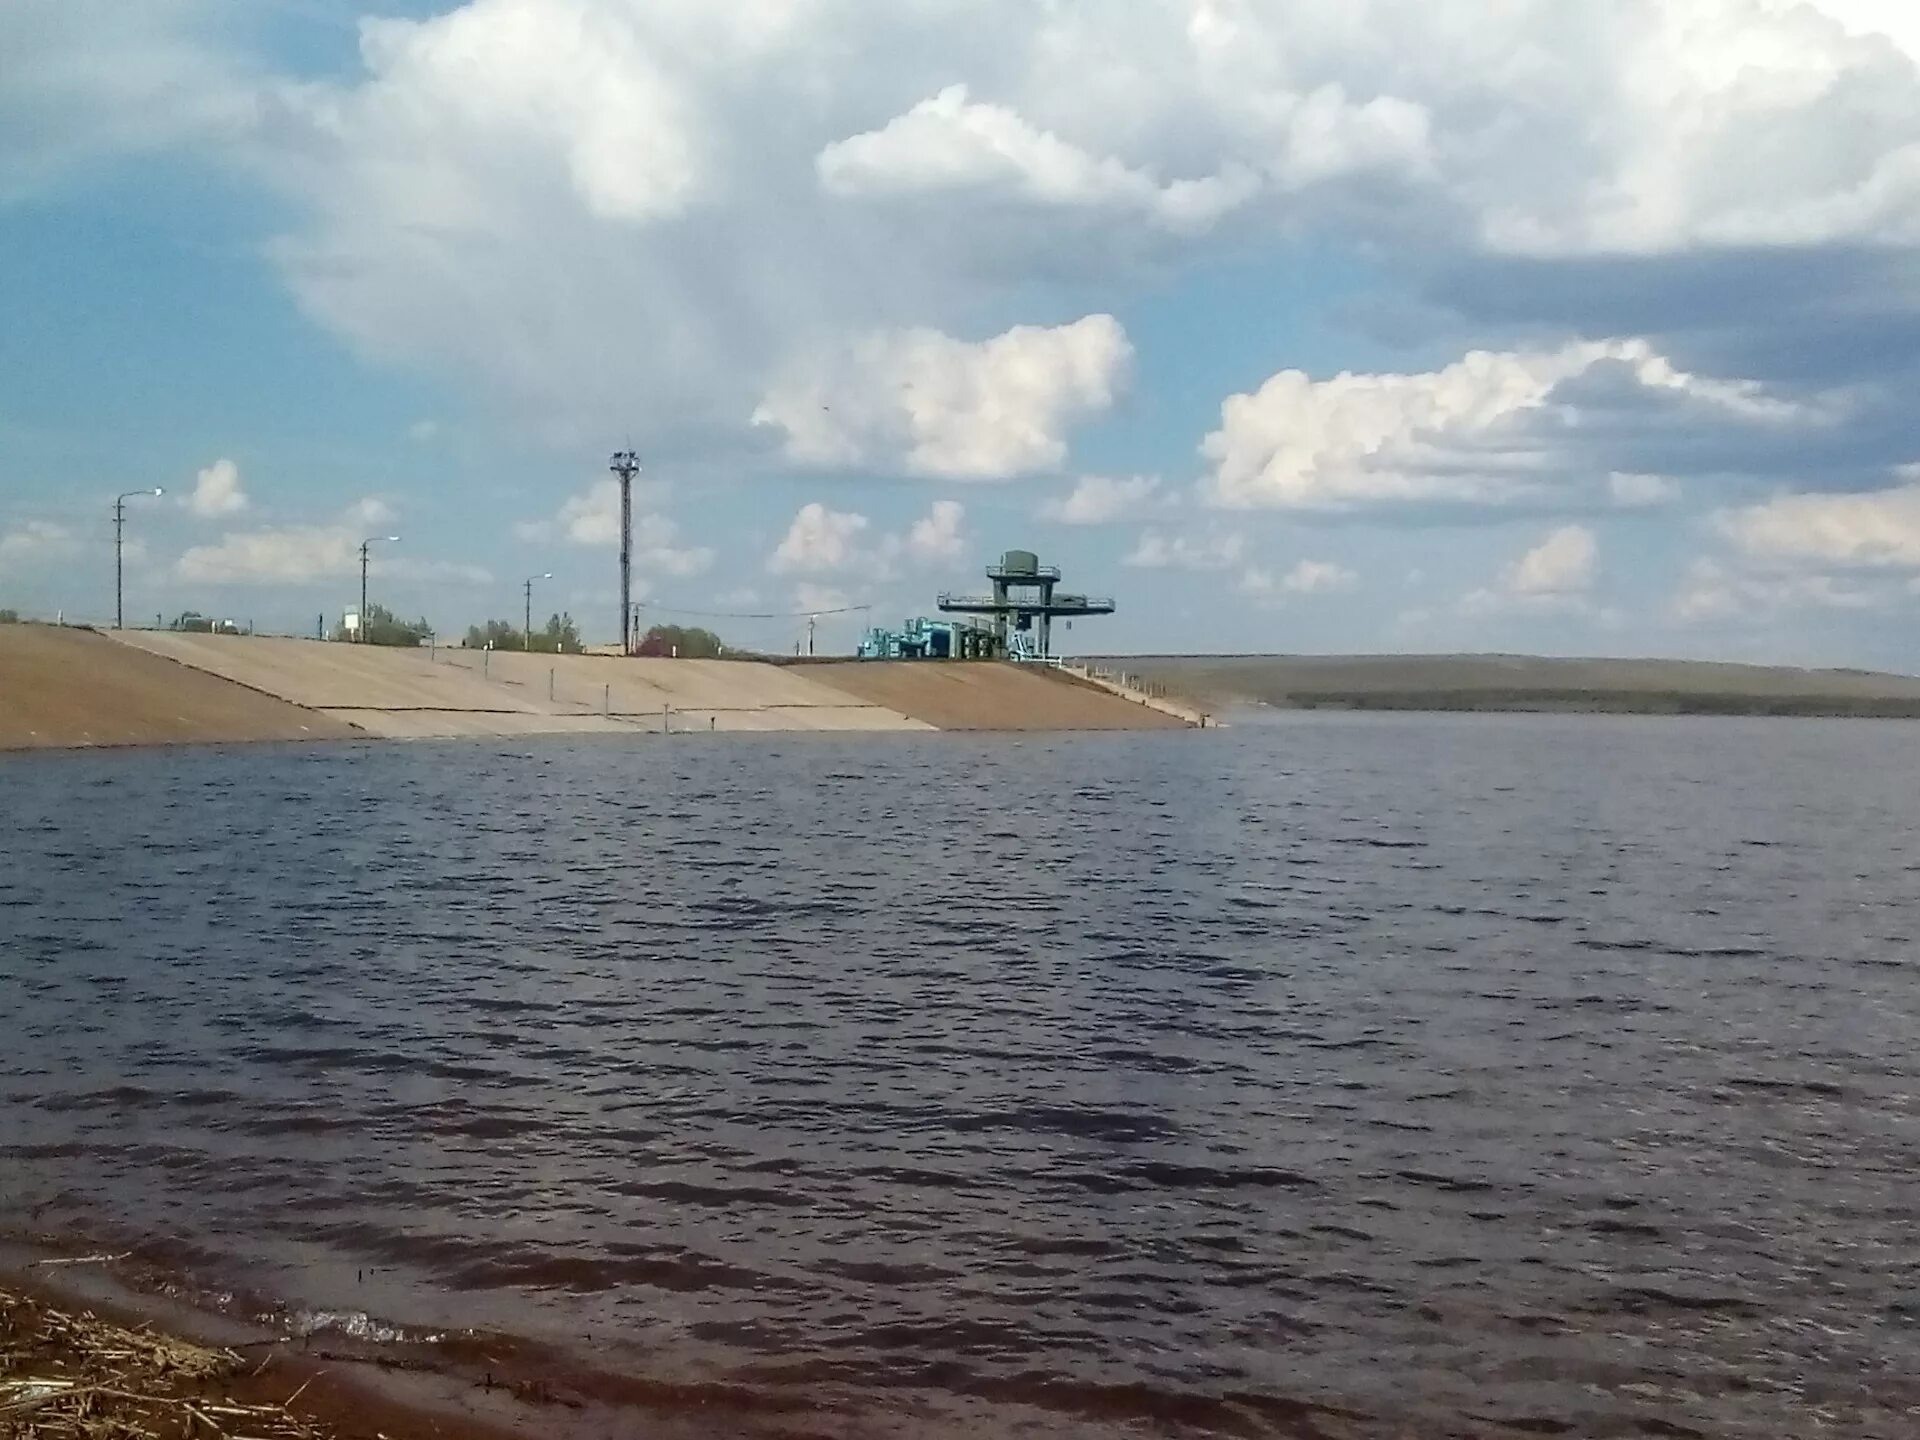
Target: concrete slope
<point x="324" y="676"/>
<point x="413" y="693"/>
<point x="62" y="688"/>
<point x="687" y="694"/>
<point x="984" y="696"/>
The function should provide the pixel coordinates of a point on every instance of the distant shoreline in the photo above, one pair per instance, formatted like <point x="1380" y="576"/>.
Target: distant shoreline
<point x="1523" y="684"/>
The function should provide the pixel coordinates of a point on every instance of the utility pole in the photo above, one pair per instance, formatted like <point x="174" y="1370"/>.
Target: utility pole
<point x="360" y="635"/>
<point x="119" y="537"/>
<point x="812" y="621"/>
<point x="528" y="632"/>
<point x="626" y="465"/>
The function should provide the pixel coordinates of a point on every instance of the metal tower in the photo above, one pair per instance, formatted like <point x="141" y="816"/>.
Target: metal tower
<point x="1023" y="602"/>
<point x="626" y="465"/>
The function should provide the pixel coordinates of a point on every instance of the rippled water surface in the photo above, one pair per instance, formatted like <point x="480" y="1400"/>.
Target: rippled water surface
<point x="1376" y="1076"/>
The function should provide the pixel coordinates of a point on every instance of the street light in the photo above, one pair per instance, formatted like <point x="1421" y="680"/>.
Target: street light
<point x="119" y="532"/>
<point x="529" y="630"/>
<point x="365" y="545"/>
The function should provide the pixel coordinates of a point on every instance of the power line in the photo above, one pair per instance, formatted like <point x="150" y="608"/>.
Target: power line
<point x="750" y="615"/>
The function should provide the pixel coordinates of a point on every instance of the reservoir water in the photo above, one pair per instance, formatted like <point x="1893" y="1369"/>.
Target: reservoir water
<point x="1333" y="1076"/>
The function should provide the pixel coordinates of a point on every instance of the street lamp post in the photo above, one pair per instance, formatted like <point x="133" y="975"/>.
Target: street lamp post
<point x="528" y="632"/>
<point x="365" y="545"/>
<point x="119" y="535"/>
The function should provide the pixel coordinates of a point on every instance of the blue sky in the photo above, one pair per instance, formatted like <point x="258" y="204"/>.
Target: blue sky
<point x="1324" y="325"/>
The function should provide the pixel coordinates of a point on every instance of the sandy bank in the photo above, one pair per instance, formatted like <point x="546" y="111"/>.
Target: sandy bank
<point x="68" y="688"/>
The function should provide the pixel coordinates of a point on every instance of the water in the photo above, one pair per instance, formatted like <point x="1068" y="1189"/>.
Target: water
<point x="1346" y="1075"/>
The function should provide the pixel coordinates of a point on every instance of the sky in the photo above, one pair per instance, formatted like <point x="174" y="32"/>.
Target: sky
<point x="1557" y="326"/>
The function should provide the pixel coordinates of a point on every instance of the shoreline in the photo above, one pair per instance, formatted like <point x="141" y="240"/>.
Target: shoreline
<point x="65" y="1303"/>
<point x="77" y="1319"/>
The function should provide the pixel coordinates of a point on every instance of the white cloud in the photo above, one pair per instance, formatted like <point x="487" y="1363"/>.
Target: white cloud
<point x="1878" y="528"/>
<point x="942" y="407"/>
<point x="937" y="538"/>
<point x="816" y="598"/>
<point x="657" y="548"/>
<point x="1104" y="499"/>
<point x="499" y="189"/>
<point x="822" y="541"/>
<point x="302" y="554"/>
<point x="371" y="512"/>
<point x="217" y="491"/>
<point x="1565" y="563"/>
<point x="819" y="541"/>
<point x="1318" y="577"/>
<point x="295" y="555"/>
<point x="1713" y="592"/>
<point x="1630" y="490"/>
<point x="951" y="142"/>
<point x="34" y="541"/>
<point x="422" y="432"/>
<point x="1555" y="576"/>
<point x="1492" y="428"/>
<point x="591" y="520"/>
<point x="1308" y="577"/>
<point x="1160" y="551"/>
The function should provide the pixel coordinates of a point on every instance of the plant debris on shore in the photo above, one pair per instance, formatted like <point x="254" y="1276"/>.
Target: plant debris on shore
<point x="73" y="1376"/>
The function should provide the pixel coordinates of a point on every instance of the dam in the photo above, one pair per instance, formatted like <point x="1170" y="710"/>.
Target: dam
<point x="63" y="687"/>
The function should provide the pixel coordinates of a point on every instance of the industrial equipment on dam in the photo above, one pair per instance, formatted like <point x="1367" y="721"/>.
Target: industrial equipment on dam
<point x="1018" y="618"/>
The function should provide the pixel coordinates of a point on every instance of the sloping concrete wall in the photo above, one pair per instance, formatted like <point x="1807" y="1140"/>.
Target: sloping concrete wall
<point x="979" y="695"/>
<point x="64" y="688"/>
<point x="416" y="694"/>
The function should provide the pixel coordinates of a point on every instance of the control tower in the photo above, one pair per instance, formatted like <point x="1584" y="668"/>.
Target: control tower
<point x="1024" y="604"/>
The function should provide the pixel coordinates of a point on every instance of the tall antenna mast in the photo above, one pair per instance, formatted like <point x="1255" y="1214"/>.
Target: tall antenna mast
<point x="626" y="465"/>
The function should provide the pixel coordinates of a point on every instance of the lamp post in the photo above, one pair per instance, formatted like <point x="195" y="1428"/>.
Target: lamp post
<point x="626" y="465"/>
<point x="366" y="545"/>
<point x="119" y="534"/>
<point x="528" y="632"/>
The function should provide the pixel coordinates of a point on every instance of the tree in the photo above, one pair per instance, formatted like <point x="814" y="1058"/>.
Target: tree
<point x="685" y="642"/>
<point x="380" y="626"/>
<point x="495" y="635"/>
<point x="561" y="636"/>
<point x="9" y="617"/>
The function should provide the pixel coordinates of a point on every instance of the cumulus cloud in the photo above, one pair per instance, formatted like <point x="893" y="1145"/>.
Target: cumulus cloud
<point x="951" y="142"/>
<point x="1633" y="491"/>
<point x="217" y="491"/>
<point x="569" y="203"/>
<point x="947" y="408"/>
<point x="33" y="541"/>
<point x="1308" y="577"/>
<point x="591" y="519"/>
<point x="937" y="538"/>
<point x="1714" y="592"/>
<point x="294" y="555"/>
<point x="1104" y="500"/>
<point x="1565" y="563"/>
<point x="1492" y="428"/>
<point x="1554" y="576"/>
<point x="1160" y="551"/>
<point x="823" y="541"/>
<point x="819" y="541"/>
<point x="497" y="189"/>
<point x="1876" y="529"/>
